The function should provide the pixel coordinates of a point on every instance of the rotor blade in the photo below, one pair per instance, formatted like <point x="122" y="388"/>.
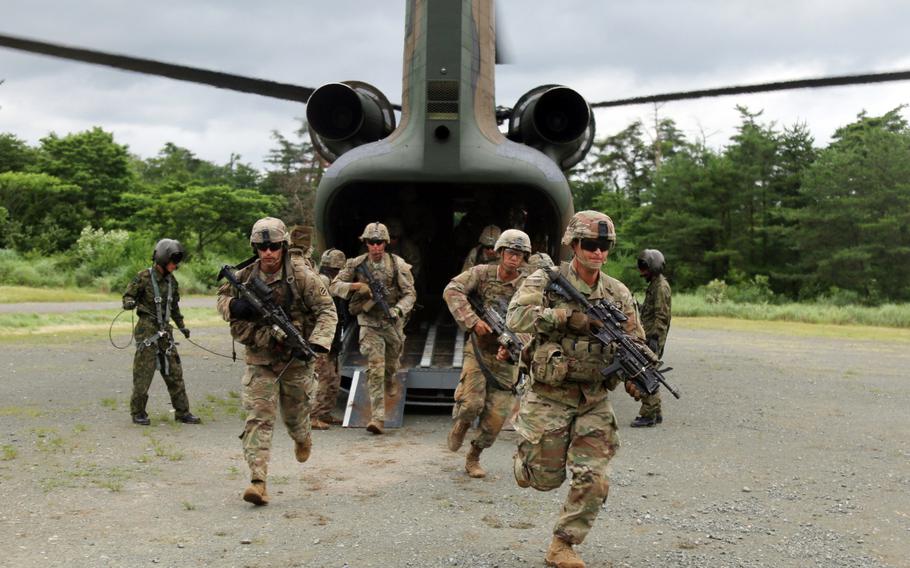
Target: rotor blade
<point x="180" y="72"/>
<point x="762" y="87"/>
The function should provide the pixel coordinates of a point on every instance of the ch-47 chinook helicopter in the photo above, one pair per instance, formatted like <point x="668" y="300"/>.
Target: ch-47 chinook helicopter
<point x="445" y="169"/>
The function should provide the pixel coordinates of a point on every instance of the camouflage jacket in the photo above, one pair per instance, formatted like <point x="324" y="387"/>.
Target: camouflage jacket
<point x="303" y="296"/>
<point x="532" y="310"/>
<point x="475" y="258"/>
<point x="396" y="278"/>
<point x="141" y="291"/>
<point x="655" y="311"/>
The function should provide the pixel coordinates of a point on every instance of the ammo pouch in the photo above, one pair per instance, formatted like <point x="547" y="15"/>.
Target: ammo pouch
<point x="358" y="302"/>
<point x="585" y="359"/>
<point x="548" y="365"/>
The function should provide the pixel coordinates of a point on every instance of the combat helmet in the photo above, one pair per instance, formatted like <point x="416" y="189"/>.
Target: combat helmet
<point x="652" y="259"/>
<point x="488" y="235"/>
<point x="514" y="239"/>
<point x="332" y="258"/>
<point x="168" y="250"/>
<point x="269" y="230"/>
<point x="540" y="260"/>
<point x="301" y="236"/>
<point x="590" y="225"/>
<point x="375" y="231"/>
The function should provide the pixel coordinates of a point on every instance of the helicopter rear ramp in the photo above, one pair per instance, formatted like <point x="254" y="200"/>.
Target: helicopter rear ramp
<point x="430" y="369"/>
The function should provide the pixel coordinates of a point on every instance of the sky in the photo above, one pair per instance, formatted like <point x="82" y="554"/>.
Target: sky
<point x="604" y="49"/>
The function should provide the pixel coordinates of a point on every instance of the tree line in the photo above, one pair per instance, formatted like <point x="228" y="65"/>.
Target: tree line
<point x="769" y="212"/>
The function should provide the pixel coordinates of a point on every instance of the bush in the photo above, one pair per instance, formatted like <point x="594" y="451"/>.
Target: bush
<point x="715" y="292"/>
<point x="34" y="269"/>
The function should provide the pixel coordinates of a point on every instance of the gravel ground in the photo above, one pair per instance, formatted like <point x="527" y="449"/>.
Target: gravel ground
<point x="784" y="451"/>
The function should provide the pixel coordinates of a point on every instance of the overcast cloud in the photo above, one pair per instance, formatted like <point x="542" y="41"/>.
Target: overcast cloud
<point x="605" y="50"/>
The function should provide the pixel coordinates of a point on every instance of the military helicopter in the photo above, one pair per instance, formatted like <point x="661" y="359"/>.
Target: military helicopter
<point x="444" y="168"/>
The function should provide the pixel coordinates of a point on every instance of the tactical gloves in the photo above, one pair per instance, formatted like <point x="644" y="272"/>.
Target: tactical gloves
<point x="653" y="344"/>
<point x="578" y="322"/>
<point x="129" y="303"/>
<point x="185" y="332"/>
<point x="242" y="310"/>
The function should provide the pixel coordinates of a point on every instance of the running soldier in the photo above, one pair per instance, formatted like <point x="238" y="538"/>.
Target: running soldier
<point x="381" y="334"/>
<point x="155" y="296"/>
<point x="485" y="251"/>
<point x="487" y="386"/>
<point x="655" y="319"/>
<point x="274" y="378"/>
<point x="328" y="377"/>
<point x="565" y="418"/>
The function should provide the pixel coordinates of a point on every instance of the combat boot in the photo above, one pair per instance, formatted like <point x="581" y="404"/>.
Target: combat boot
<point x="562" y="555"/>
<point x="329" y="419"/>
<point x="317" y="424"/>
<point x="141" y="419"/>
<point x="472" y="463"/>
<point x="375" y="427"/>
<point x="188" y="418"/>
<point x="302" y="449"/>
<point x="647" y="421"/>
<point x="256" y="493"/>
<point x="456" y="435"/>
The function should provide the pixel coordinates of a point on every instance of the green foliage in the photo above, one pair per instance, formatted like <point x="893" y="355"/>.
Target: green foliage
<point x="43" y="213"/>
<point x="200" y="216"/>
<point x="95" y="163"/>
<point x="15" y="154"/>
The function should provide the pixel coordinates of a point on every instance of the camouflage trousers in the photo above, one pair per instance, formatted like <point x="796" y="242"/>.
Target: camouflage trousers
<point x="328" y="384"/>
<point x="144" y="365"/>
<point x="382" y="346"/>
<point x="556" y="436"/>
<point x="474" y="397"/>
<point x="650" y="405"/>
<point x="262" y="397"/>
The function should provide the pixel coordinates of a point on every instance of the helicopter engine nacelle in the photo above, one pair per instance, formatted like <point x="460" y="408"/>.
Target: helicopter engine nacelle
<point x="555" y="120"/>
<point x="342" y="116"/>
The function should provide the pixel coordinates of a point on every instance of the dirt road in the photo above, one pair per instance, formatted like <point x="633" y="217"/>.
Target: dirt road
<point x="785" y="451"/>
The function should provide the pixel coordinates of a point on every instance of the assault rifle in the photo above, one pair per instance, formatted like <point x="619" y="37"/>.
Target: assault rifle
<point x="635" y="365"/>
<point x="377" y="290"/>
<point x="259" y="295"/>
<point x="497" y="323"/>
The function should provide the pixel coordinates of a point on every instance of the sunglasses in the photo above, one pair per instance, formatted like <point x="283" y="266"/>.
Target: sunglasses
<point x="375" y="241"/>
<point x="592" y="245"/>
<point x="268" y="246"/>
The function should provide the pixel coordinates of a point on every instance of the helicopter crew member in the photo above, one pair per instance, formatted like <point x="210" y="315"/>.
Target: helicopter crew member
<point x="274" y="378"/>
<point x="328" y="379"/>
<point x="381" y="337"/>
<point x="155" y="296"/>
<point x="488" y="377"/>
<point x="655" y="319"/>
<point x="485" y="251"/>
<point x="565" y="418"/>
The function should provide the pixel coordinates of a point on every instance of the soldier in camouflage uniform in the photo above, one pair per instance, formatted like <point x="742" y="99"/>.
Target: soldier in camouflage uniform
<point x="328" y="379"/>
<point x="655" y="319"/>
<point x="487" y="386"/>
<point x="485" y="251"/>
<point x="302" y="243"/>
<point x="155" y="296"/>
<point x="274" y="378"/>
<point x="381" y="339"/>
<point x="565" y="418"/>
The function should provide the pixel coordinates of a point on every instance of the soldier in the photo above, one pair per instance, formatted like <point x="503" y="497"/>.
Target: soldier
<point x="655" y="319"/>
<point x="381" y="337"/>
<point x="274" y="378"/>
<point x="328" y="379"/>
<point x="488" y="378"/>
<point x="302" y="243"/>
<point x="156" y="298"/>
<point x="565" y="418"/>
<point x="484" y="252"/>
<point x="403" y="246"/>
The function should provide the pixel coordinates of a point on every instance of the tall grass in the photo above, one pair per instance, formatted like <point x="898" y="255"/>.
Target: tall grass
<point x="886" y="315"/>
